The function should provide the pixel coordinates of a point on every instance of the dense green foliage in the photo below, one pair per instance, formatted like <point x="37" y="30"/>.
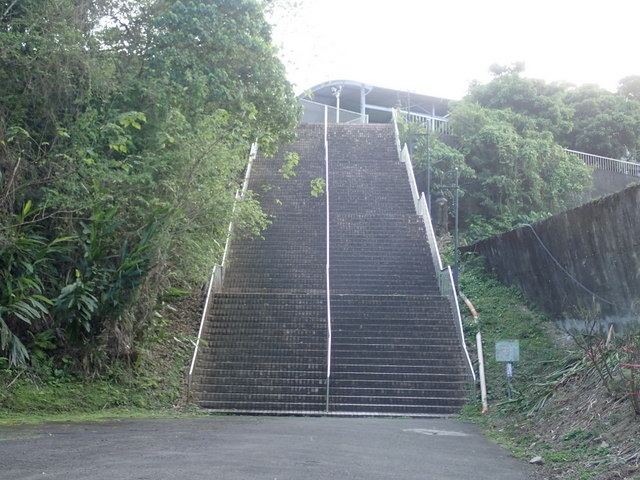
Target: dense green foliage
<point x="124" y="132"/>
<point x="604" y="123"/>
<point x="508" y="140"/>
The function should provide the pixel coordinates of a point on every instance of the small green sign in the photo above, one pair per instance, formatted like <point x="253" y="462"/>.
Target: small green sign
<point x="507" y="351"/>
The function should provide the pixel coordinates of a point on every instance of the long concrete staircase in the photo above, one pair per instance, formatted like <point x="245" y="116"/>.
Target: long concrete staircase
<point x="394" y="346"/>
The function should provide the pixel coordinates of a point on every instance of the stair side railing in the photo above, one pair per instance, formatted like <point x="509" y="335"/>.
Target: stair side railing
<point x="419" y="201"/>
<point x="445" y="275"/>
<point x="216" y="280"/>
<point x="448" y="289"/>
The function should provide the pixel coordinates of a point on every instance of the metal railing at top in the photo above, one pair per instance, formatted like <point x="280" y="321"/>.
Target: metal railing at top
<point x="445" y="277"/>
<point x="608" y="164"/>
<point x="314" y="112"/>
<point x="217" y="274"/>
<point x="434" y="124"/>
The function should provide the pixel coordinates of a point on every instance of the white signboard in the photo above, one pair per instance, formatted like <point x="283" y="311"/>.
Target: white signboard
<point x="507" y="351"/>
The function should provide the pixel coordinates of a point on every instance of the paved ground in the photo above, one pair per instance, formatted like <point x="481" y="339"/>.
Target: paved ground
<point x="252" y="448"/>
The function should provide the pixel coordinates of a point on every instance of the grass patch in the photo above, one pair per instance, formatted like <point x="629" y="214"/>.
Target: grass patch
<point x="106" y="415"/>
<point x="504" y="314"/>
<point x="31" y="395"/>
<point x="154" y="386"/>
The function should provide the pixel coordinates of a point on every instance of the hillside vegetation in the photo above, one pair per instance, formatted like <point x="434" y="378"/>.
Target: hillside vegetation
<point x="125" y="128"/>
<point x="124" y="133"/>
<point x="507" y="138"/>
<point x="561" y="409"/>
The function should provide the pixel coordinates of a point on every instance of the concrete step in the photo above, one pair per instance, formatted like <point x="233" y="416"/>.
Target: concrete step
<point x="396" y="349"/>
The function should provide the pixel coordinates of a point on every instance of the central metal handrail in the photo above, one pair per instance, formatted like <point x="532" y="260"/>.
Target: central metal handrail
<point x="328" y="252"/>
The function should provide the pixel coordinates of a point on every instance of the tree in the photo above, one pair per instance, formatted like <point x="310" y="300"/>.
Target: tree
<point x="516" y="169"/>
<point x="49" y="78"/>
<point x="629" y="87"/>
<point x="209" y="83"/>
<point x="603" y="123"/>
<point x="588" y="118"/>
<point x="128" y="124"/>
<point x="538" y="101"/>
<point x="497" y="70"/>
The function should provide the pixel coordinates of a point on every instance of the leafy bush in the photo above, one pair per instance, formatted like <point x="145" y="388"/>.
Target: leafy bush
<point x="26" y="262"/>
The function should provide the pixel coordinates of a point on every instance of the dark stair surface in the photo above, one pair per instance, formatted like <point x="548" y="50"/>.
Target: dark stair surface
<point x="395" y="347"/>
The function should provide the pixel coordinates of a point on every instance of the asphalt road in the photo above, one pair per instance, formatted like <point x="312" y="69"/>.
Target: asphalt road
<point x="256" y="448"/>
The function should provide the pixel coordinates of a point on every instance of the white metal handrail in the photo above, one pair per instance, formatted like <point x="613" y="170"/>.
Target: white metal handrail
<point x="445" y="281"/>
<point x="420" y="204"/>
<point x="314" y="111"/>
<point x="448" y="290"/>
<point x="328" y="253"/>
<point x="434" y="124"/>
<point x="217" y="274"/>
<point x="394" y="115"/>
<point x="406" y="159"/>
<point x="608" y="164"/>
<point x="215" y="284"/>
<point x="423" y="211"/>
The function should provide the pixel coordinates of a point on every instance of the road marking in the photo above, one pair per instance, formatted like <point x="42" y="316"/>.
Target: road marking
<point x="444" y="433"/>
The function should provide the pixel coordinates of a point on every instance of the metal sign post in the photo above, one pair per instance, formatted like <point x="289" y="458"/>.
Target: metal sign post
<point x="508" y="351"/>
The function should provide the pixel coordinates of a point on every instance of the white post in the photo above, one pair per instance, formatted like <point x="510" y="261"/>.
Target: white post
<point x="363" y="100"/>
<point x="483" y="383"/>
<point x="337" y="91"/>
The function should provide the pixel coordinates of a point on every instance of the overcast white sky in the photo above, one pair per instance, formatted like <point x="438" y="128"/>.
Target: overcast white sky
<point x="439" y="47"/>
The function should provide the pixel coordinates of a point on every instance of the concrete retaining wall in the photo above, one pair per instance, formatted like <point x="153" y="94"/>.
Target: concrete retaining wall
<point x="606" y="183"/>
<point x="597" y="266"/>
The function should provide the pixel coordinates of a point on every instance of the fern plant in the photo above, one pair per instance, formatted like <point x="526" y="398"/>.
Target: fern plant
<point x="25" y="261"/>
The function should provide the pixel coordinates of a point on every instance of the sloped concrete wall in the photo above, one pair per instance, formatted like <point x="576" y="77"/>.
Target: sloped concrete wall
<point x="597" y="259"/>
